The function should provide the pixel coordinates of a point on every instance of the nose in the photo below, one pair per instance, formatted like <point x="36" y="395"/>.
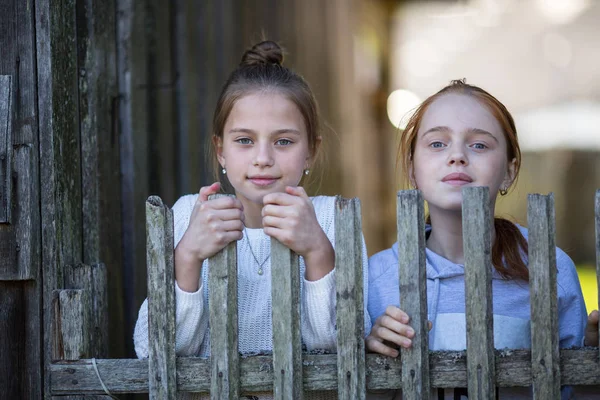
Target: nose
<point x="263" y="156"/>
<point x="458" y="157"/>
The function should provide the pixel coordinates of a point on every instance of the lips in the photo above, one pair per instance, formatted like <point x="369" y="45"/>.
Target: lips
<point x="262" y="180"/>
<point x="457" y="178"/>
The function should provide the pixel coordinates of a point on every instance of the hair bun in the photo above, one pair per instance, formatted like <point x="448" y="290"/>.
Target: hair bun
<point x="267" y="52"/>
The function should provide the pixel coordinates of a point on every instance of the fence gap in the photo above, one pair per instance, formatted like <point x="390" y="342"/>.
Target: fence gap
<point x="545" y="359"/>
<point x="223" y="320"/>
<point x="287" y="345"/>
<point x="476" y="220"/>
<point x="349" y="304"/>
<point x="410" y="219"/>
<point x="597" y="213"/>
<point x="161" y="300"/>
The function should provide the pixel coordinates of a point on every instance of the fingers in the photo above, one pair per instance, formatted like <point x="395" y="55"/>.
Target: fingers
<point x="376" y="346"/>
<point x="397" y="314"/>
<point x="291" y="196"/>
<point x="296" y="191"/>
<point x="222" y="203"/>
<point x="593" y="317"/>
<point x="208" y="190"/>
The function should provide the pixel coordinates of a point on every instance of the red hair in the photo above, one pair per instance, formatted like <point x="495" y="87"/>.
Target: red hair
<point x="509" y="247"/>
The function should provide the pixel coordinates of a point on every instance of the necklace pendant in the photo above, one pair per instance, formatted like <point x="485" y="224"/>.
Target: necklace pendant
<point x="260" y="271"/>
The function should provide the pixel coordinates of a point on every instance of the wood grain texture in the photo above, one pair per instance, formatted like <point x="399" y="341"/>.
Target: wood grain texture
<point x="477" y="245"/>
<point x="92" y="278"/>
<point x="71" y="321"/>
<point x="287" y="345"/>
<point x="6" y="121"/>
<point x="133" y="80"/>
<point x="349" y="300"/>
<point x="223" y="322"/>
<point x="448" y="369"/>
<point x="21" y="339"/>
<point x="410" y="217"/>
<point x="161" y="300"/>
<point x="60" y="156"/>
<point x="543" y="295"/>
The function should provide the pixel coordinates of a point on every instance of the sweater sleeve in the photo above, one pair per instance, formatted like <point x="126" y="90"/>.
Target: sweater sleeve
<point x="572" y="315"/>
<point x="191" y="323"/>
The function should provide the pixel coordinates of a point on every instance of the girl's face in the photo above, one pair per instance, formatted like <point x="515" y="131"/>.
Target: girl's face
<point x="264" y="146"/>
<point x="459" y="143"/>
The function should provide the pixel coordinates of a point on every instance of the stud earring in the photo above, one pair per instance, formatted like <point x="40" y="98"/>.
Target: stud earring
<point x="306" y="171"/>
<point x="503" y="192"/>
<point x="224" y="171"/>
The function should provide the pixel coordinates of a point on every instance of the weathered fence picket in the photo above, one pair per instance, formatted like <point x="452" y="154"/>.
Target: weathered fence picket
<point x="413" y="292"/>
<point x="287" y="344"/>
<point x="477" y="239"/>
<point x="349" y="300"/>
<point x="223" y="318"/>
<point x="481" y="368"/>
<point x="161" y="300"/>
<point x="542" y="288"/>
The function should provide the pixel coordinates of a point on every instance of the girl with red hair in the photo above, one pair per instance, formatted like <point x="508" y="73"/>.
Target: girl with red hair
<point x="463" y="136"/>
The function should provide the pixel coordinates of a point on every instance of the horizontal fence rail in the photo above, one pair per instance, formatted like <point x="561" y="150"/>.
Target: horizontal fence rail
<point x="289" y="373"/>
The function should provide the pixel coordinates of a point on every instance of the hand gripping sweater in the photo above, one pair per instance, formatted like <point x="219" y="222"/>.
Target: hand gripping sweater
<point x="254" y="299"/>
<point x="446" y="306"/>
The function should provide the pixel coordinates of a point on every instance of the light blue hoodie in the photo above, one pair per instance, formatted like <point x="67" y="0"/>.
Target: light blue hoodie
<point x="446" y="301"/>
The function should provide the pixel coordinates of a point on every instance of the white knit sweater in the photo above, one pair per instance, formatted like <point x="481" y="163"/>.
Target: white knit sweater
<point x="254" y="300"/>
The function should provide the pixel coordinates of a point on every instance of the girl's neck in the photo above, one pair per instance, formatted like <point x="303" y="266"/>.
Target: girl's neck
<point x="253" y="215"/>
<point x="446" y="237"/>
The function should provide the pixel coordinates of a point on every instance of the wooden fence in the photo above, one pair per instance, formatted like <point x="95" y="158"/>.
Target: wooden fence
<point x="350" y="372"/>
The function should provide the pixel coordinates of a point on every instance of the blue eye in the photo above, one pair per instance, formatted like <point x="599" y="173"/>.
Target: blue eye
<point x="243" y="141"/>
<point x="284" y="142"/>
<point x="436" y="145"/>
<point x="479" y="146"/>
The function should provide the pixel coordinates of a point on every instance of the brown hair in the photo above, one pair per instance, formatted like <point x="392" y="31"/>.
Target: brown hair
<point x="261" y="70"/>
<point x="509" y="247"/>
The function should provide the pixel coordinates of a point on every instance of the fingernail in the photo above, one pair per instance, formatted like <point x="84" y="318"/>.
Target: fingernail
<point x="410" y="332"/>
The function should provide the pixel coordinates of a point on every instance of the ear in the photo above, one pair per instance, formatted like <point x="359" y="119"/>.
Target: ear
<point x="218" y="143"/>
<point x="511" y="172"/>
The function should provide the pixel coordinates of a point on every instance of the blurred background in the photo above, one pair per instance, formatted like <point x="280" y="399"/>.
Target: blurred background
<point x="369" y="63"/>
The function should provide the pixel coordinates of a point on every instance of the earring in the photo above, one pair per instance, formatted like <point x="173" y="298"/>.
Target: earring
<point x="224" y="171"/>
<point x="503" y="191"/>
<point x="306" y="171"/>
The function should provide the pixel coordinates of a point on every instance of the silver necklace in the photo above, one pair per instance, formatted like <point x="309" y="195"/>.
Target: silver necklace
<point x="260" y="265"/>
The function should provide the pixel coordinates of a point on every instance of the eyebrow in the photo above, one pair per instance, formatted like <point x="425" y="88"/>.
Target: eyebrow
<point x="445" y="129"/>
<point x="275" y="132"/>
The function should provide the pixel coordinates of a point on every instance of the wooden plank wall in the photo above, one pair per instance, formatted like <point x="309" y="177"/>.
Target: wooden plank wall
<point x="20" y="299"/>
